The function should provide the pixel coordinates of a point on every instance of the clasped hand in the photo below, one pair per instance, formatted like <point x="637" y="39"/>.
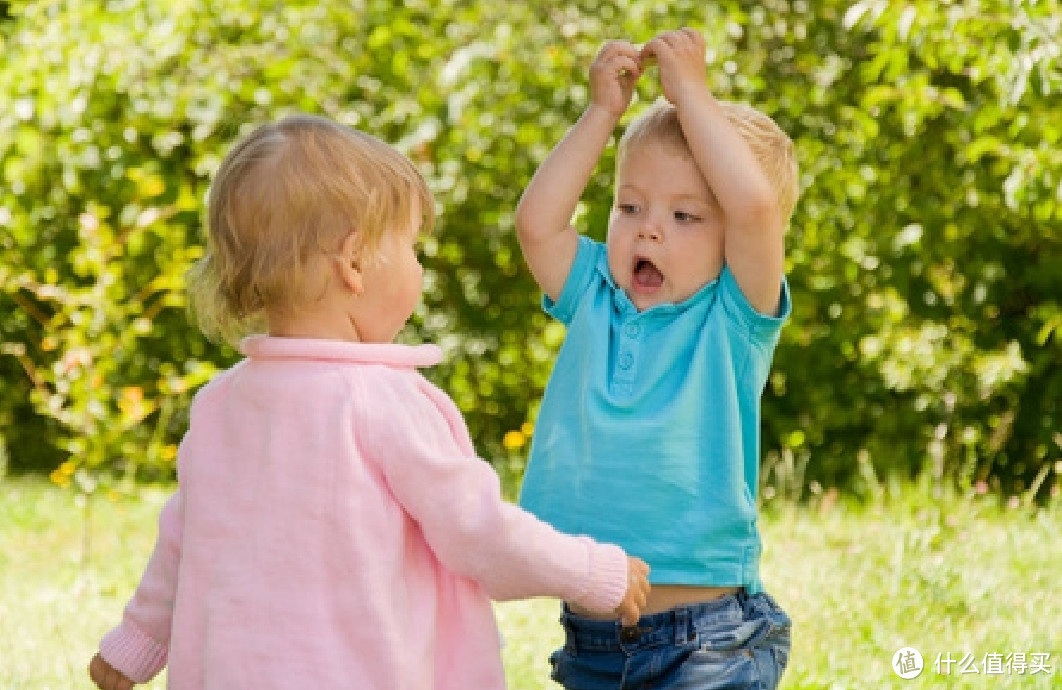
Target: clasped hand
<point x="619" y="65"/>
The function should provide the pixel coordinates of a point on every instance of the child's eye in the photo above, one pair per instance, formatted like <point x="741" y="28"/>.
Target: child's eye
<point x="628" y="209"/>
<point x="684" y="217"/>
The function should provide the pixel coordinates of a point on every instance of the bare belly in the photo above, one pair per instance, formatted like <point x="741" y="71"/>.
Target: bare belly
<point x="664" y="597"/>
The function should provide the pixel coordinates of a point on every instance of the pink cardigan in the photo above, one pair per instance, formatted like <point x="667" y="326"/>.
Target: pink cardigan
<point x="335" y="529"/>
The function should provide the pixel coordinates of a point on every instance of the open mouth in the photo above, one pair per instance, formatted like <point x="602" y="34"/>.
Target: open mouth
<point x="646" y="275"/>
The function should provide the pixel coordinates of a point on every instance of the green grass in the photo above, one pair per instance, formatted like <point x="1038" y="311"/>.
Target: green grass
<point x="949" y="576"/>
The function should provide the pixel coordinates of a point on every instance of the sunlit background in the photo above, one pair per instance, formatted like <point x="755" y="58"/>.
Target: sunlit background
<point x="921" y="372"/>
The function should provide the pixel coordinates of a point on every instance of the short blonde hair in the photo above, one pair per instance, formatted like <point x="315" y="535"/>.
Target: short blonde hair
<point x="286" y="192"/>
<point x="772" y="147"/>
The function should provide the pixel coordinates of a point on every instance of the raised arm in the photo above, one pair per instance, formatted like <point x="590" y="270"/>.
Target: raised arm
<point x="544" y="214"/>
<point x="754" y="244"/>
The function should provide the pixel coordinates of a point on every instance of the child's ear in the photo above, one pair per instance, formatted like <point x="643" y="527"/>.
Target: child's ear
<point x="350" y="263"/>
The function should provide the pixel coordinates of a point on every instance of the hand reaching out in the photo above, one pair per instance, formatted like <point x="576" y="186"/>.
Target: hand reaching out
<point x="630" y="609"/>
<point x="680" y="55"/>
<point x="107" y="677"/>
<point x="613" y="75"/>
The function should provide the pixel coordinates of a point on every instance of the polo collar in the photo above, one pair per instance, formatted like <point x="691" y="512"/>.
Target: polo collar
<point x="264" y="347"/>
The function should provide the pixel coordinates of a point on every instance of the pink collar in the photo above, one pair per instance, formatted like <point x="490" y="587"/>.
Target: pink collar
<point x="267" y="347"/>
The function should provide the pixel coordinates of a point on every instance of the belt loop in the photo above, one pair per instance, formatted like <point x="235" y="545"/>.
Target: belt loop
<point x="571" y="645"/>
<point x="682" y="625"/>
<point x="745" y="601"/>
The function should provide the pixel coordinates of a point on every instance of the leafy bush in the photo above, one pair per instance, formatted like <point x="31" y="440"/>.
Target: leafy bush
<point x="923" y="257"/>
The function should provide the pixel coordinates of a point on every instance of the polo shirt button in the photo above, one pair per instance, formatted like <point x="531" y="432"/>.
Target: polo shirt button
<point x="625" y="361"/>
<point x="632" y="330"/>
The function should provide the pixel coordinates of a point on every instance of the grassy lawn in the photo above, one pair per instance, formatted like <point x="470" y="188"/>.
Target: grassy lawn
<point x="946" y="577"/>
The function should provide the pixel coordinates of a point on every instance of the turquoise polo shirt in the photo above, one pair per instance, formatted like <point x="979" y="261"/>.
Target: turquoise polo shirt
<point x="648" y="433"/>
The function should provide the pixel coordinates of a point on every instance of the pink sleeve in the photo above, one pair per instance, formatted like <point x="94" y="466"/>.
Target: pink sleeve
<point x="421" y="443"/>
<point x="138" y="646"/>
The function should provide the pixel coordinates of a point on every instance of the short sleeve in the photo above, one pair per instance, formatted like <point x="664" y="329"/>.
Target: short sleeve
<point x="579" y="278"/>
<point x="763" y="329"/>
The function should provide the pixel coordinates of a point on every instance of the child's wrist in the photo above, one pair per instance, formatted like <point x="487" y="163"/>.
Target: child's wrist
<point x="599" y="112"/>
<point x="693" y="95"/>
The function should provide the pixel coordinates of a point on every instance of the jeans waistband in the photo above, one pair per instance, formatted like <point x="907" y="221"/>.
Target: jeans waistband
<point x="679" y="625"/>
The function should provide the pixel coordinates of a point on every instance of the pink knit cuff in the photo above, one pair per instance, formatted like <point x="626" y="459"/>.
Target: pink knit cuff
<point x="608" y="578"/>
<point x="131" y="651"/>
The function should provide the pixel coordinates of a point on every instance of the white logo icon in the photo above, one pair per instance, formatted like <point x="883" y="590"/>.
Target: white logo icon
<point x="907" y="663"/>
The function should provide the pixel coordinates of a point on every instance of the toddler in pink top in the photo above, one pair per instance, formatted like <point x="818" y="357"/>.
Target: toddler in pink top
<point x="333" y="526"/>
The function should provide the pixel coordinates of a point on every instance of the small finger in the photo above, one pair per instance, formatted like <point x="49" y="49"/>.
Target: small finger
<point x="666" y="39"/>
<point x="618" y="48"/>
<point x="626" y="66"/>
<point x="693" y="35"/>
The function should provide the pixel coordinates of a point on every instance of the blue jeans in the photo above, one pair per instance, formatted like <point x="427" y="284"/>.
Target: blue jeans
<point x="737" y="641"/>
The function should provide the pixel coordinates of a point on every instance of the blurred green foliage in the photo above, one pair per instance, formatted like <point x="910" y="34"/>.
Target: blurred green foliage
<point x="923" y="258"/>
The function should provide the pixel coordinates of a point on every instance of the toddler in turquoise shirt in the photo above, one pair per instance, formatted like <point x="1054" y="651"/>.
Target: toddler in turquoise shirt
<point x="648" y="434"/>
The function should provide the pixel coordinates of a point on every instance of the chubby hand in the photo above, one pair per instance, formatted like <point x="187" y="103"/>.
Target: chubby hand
<point x="680" y="55"/>
<point x="630" y="609"/>
<point x="613" y="75"/>
<point x="107" y="677"/>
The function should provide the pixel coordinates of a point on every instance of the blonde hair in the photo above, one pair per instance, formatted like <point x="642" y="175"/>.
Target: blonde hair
<point x="772" y="147"/>
<point x="287" y="192"/>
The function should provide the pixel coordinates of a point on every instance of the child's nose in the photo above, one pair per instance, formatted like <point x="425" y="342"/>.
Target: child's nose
<point x="650" y="230"/>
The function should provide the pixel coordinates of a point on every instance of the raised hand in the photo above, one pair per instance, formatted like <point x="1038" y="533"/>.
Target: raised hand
<point x="680" y="55"/>
<point x="613" y="74"/>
